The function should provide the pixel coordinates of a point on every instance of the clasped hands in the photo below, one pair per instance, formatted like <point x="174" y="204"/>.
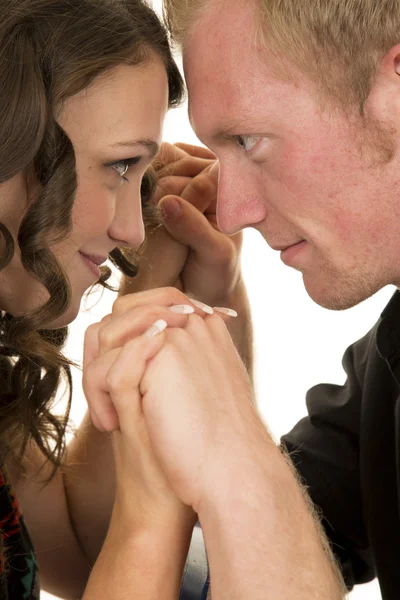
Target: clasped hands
<point x="173" y="400"/>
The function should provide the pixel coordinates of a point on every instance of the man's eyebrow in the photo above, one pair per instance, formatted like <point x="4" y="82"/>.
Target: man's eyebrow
<point x="150" y="145"/>
<point x="221" y="133"/>
<point x="225" y="129"/>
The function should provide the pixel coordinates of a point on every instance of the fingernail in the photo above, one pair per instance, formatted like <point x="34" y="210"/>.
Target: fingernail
<point x="156" y="328"/>
<point x="170" y="208"/>
<point x="226" y="311"/>
<point x="181" y="309"/>
<point x="207" y="309"/>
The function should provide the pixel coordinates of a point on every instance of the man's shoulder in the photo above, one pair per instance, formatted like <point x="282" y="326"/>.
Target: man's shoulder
<point x="391" y="310"/>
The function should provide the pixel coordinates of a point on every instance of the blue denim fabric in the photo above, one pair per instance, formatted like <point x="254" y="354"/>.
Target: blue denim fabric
<point x="196" y="579"/>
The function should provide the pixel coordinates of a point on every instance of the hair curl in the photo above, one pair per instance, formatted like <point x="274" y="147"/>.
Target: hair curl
<point x="49" y="51"/>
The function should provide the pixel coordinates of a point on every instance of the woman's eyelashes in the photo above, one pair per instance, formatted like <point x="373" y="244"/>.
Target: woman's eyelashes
<point x="122" y="166"/>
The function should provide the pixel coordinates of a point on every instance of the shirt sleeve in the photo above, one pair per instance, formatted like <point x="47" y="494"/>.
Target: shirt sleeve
<point x="324" y="447"/>
<point x="196" y="576"/>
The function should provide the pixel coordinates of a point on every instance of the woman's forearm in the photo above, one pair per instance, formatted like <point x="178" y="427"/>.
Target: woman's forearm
<point x="89" y="482"/>
<point x="144" y="566"/>
<point x="130" y="563"/>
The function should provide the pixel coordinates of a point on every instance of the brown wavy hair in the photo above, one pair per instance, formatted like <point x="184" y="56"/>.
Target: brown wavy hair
<point x="49" y="51"/>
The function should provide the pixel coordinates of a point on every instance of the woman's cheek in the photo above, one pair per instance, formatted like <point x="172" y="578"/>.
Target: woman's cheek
<point x="94" y="210"/>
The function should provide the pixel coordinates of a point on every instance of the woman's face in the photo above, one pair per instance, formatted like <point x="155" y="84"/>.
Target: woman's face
<point x="115" y="127"/>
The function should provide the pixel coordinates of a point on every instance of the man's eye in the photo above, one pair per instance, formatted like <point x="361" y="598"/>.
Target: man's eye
<point x="122" y="166"/>
<point x="247" y="142"/>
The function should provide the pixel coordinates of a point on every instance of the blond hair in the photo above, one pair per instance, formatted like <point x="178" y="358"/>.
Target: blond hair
<point x="337" y="43"/>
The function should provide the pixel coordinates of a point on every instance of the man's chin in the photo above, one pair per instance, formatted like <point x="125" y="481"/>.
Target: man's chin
<point x="336" y="295"/>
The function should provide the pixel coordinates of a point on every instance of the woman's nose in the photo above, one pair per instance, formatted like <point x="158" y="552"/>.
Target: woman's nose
<point x="127" y="225"/>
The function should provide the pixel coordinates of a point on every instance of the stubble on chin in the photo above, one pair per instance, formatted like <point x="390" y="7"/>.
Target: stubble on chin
<point x="339" y="290"/>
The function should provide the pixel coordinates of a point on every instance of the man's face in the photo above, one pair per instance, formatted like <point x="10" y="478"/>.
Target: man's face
<point x="290" y="169"/>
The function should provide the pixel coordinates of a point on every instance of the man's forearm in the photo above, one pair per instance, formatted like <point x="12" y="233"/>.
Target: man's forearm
<point x="262" y="540"/>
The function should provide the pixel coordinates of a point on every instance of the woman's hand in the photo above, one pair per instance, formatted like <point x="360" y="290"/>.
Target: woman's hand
<point x="116" y="353"/>
<point x="132" y="315"/>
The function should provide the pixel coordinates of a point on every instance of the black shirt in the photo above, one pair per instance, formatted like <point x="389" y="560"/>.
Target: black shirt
<point x="348" y="453"/>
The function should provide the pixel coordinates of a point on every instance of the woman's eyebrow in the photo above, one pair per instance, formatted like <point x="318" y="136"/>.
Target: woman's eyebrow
<point x="150" y="145"/>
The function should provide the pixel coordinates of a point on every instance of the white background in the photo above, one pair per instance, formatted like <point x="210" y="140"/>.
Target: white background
<point x="297" y="343"/>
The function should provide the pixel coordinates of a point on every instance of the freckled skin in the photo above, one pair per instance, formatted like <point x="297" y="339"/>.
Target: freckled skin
<point x="128" y="103"/>
<point x="314" y="178"/>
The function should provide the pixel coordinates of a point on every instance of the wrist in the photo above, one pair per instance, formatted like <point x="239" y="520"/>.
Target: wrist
<point x="236" y="297"/>
<point x="240" y="327"/>
<point x="158" y="545"/>
<point x="238" y="469"/>
<point x="168" y="519"/>
<point x="151" y="540"/>
<point x="148" y="561"/>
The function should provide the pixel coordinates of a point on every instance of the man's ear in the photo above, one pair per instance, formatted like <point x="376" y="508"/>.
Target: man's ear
<point x="385" y="90"/>
<point x="390" y="64"/>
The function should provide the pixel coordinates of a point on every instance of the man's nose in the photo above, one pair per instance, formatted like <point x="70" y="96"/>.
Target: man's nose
<point x="240" y="200"/>
<point x="127" y="225"/>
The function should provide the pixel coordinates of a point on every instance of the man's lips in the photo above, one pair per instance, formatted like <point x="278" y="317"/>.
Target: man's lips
<point x="282" y="247"/>
<point x="291" y="256"/>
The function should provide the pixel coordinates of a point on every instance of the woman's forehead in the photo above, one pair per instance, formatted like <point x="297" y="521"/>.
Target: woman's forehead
<point x="130" y="103"/>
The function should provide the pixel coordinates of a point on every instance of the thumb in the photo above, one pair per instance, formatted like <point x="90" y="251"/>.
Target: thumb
<point x="202" y="190"/>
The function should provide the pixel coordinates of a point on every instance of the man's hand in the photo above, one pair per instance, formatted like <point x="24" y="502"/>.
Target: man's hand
<point x="199" y="409"/>
<point x="188" y="251"/>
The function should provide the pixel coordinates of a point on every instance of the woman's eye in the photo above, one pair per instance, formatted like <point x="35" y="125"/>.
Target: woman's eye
<point x="247" y="142"/>
<point x="122" y="166"/>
